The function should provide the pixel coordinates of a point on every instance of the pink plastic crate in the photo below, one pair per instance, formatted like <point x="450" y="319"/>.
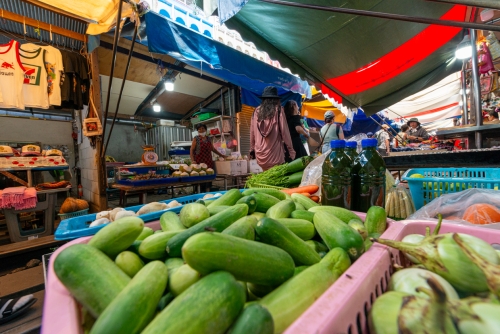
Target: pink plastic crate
<point x="344" y="307"/>
<point x="61" y="312"/>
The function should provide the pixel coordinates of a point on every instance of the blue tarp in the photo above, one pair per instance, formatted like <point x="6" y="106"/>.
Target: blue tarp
<point x="214" y="58"/>
<point x="252" y="99"/>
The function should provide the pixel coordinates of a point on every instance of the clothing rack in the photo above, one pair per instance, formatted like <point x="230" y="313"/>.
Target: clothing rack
<point x="7" y="15"/>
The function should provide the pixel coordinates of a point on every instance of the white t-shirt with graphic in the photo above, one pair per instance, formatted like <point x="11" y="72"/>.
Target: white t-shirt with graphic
<point x="35" y="78"/>
<point x="11" y="76"/>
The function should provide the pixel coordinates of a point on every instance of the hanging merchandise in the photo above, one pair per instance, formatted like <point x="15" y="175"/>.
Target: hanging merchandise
<point x="12" y="76"/>
<point x="55" y="70"/>
<point x="75" y="84"/>
<point x="35" y="78"/>
<point x="92" y="125"/>
<point x="494" y="45"/>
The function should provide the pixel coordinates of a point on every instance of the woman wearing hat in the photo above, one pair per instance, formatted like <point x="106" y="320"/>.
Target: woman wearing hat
<point x="269" y="130"/>
<point x="417" y="133"/>
<point x="330" y="131"/>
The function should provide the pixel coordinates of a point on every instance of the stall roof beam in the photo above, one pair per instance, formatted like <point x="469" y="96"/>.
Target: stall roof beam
<point x="397" y="17"/>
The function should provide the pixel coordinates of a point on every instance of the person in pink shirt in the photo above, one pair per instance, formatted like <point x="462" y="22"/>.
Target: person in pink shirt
<point x="269" y="131"/>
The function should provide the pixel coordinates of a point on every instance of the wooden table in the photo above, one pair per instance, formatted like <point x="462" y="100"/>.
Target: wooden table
<point x="143" y="190"/>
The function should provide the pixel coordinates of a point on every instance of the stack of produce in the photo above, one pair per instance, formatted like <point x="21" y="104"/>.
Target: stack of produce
<point x="249" y="262"/>
<point x="445" y="290"/>
<point x="286" y="175"/>
<point x="398" y="203"/>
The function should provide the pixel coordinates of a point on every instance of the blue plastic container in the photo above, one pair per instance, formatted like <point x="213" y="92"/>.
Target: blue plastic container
<point x="198" y="178"/>
<point x="78" y="227"/>
<point x="151" y="182"/>
<point x="439" y="181"/>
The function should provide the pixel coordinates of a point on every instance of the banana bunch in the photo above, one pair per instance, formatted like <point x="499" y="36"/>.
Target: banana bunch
<point x="398" y="203"/>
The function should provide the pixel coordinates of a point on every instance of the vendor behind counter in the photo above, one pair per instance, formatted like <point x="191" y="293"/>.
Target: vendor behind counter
<point x="416" y="133"/>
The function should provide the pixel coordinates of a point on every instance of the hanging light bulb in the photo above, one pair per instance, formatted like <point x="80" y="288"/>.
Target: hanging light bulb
<point x="464" y="49"/>
<point x="156" y="107"/>
<point x="169" y="85"/>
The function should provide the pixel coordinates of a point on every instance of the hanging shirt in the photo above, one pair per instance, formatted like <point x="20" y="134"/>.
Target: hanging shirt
<point x="11" y="76"/>
<point x="35" y="78"/>
<point x="54" y="68"/>
<point x="74" y="88"/>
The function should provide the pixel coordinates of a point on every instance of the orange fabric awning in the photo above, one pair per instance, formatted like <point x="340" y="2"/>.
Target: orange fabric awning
<point x="316" y="110"/>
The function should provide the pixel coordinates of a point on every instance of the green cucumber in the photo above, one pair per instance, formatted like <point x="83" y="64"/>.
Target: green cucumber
<point x="299" y="269"/>
<point x="229" y="198"/>
<point x="208" y="201"/>
<point x="254" y="319"/>
<point x="359" y="226"/>
<point x="153" y="247"/>
<point x="376" y="220"/>
<point x="268" y="191"/>
<point x="259" y="290"/>
<point x="170" y="221"/>
<point x="135" y="306"/>
<point x="134" y="248"/>
<point x="217" y="209"/>
<point x="317" y="246"/>
<point x="210" y="305"/>
<point x="302" y="228"/>
<point x="306" y="202"/>
<point x="258" y="215"/>
<point x="242" y="228"/>
<point x="274" y="233"/>
<point x="200" y="201"/>
<point x="250" y="201"/>
<point x="173" y="264"/>
<point x="299" y="206"/>
<point x="282" y="209"/>
<point x="129" y="262"/>
<point x="368" y="244"/>
<point x="303" y="214"/>
<point x="182" y="278"/>
<point x="79" y="267"/>
<point x="158" y="231"/>
<point x="146" y="232"/>
<point x="164" y="301"/>
<point x="264" y="202"/>
<point x="193" y="213"/>
<point x="335" y="233"/>
<point x="117" y="236"/>
<point x="341" y="213"/>
<point x="287" y="302"/>
<point x="218" y="223"/>
<point x="248" y="261"/>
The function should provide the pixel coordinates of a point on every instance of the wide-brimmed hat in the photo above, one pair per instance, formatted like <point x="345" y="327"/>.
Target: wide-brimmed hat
<point x="414" y="119"/>
<point x="270" y="92"/>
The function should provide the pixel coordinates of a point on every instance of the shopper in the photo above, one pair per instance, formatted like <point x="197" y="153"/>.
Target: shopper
<point x="269" y="132"/>
<point x="416" y="133"/>
<point x="296" y="128"/>
<point x="369" y="135"/>
<point x="492" y="117"/>
<point x="383" y="140"/>
<point x="402" y="137"/>
<point x="201" y="151"/>
<point x="330" y="131"/>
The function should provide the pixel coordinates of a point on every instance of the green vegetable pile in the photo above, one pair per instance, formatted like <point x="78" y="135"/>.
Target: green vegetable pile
<point x="244" y="262"/>
<point x="286" y="175"/>
<point x="453" y="287"/>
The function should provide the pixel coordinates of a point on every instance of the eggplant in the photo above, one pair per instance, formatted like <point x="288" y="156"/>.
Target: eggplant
<point x="410" y="279"/>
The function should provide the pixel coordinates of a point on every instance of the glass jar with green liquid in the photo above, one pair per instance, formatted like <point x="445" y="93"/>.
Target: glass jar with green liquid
<point x="351" y="149"/>
<point x="336" y="178"/>
<point x="368" y="178"/>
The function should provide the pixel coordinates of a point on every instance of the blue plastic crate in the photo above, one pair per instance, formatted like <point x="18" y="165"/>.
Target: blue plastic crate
<point x="439" y="181"/>
<point x="198" y="178"/>
<point x="78" y="227"/>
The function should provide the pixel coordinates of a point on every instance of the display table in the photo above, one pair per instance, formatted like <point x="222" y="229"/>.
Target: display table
<point x="142" y="191"/>
<point x="237" y="181"/>
<point x="29" y="171"/>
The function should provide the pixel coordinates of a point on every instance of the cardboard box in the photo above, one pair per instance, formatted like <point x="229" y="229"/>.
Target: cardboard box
<point x="253" y="167"/>
<point x="236" y="167"/>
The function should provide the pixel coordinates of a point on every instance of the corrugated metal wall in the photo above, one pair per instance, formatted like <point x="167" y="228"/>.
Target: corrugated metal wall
<point x="162" y="136"/>
<point x="244" y="120"/>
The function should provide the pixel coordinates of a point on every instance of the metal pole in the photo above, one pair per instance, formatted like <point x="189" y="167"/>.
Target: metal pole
<point x="476" y="92"/>
<point x="396" y="17"/>
<point x="121" y="91"/>
<point x="113" y="60"/>
<point x="465" y="120"/>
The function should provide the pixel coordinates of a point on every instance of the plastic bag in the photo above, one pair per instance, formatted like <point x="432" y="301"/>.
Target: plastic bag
<point x="314" y="171"/>
<point x="398" y="203"/>
<point x="358" y="138"/>
<point x="481" y="206"/>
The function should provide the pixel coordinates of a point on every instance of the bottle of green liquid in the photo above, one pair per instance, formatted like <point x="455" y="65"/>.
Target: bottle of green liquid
<point x="368" y="178"/>
<point x="336" y="179"/>
<point x="350" y="149"/>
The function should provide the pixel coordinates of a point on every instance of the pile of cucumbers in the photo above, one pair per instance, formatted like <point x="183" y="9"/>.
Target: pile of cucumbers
<point x="246" y="262"/>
